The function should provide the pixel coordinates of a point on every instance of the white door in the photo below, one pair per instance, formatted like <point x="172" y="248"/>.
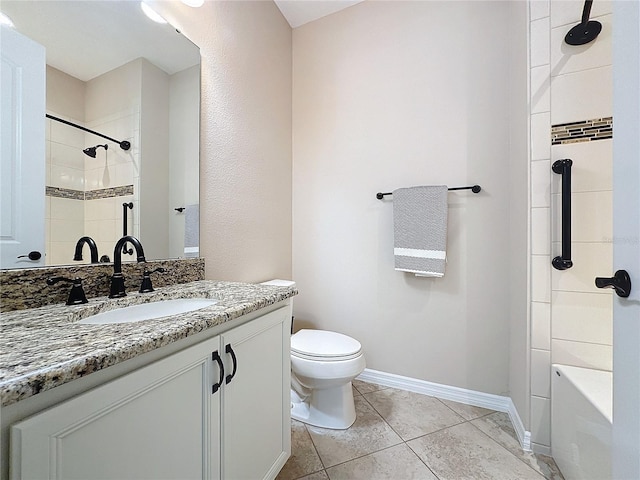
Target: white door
<point x="626" y="248"/>
<point x="22" y="173"/>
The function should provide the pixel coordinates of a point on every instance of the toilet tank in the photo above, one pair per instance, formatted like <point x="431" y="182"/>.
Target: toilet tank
<point x="280" y="283"/>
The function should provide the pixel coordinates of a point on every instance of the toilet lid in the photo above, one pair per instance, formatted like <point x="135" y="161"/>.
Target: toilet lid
<point x="322" y="344"/>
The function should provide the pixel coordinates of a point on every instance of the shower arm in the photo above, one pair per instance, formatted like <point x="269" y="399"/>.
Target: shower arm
<point x="124" y="145"/>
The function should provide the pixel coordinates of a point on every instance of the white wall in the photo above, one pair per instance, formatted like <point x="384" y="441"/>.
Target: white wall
<point x="388" y="95"/>
<point x="245" y="136"/>
<point x="571" y="318"/>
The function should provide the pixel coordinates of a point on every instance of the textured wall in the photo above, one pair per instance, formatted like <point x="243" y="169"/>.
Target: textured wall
<point x="245" y="140"/>
<point x="395" y="94"/>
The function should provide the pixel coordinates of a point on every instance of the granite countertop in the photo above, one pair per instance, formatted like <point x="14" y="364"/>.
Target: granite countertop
<point x="42" y="348"/>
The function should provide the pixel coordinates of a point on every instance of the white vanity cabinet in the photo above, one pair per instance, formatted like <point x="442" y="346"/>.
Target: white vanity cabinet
<point x="168" y="420"/>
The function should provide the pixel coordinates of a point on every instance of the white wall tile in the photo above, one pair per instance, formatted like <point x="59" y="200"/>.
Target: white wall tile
<point x="583" y="317"/>
<point x="569" y="12"/>
<point x="580" y="354"/>
<point x="540" y="136"/>
<point x="592" y="165"/>
<point x="65" y="208"/>
<point x="66" y="156"/>
<point x="591" y="217"/>
<point x="582" y="96"/>
<point x="541" y="373"/>
<point x="61" y="253"/>
<point x="590" y="260"/>
<point x="538" y="9"/>
<point x="541" y="183"/>
<point x="540" y="89"/>
<point x="67" y="135"/>
<point x="66" y="231"/>
<point x="541" y="325"/>
<point x="540" y="231"/>
<point x="541" y="420"/>
<point x="540" y="278"/>
<point x="99" y="209"/>
<point x="568" y="58"/>
<point x="65" y="177"/>
<point x="540" y="33"/>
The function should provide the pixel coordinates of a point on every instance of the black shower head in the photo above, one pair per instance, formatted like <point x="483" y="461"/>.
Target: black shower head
<point x="586" y="31"/>
<point x="91" y="151"/>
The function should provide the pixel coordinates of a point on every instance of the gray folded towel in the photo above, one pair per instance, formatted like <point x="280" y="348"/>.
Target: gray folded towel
<point x="420" y="230"/>
<point x="192" y="231"/>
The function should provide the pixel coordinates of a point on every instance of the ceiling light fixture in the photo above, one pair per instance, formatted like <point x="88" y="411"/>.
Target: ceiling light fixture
<point x="5" y="20"/>
<point x="151" y="13"/>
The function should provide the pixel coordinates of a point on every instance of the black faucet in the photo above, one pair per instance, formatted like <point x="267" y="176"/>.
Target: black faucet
<point x="92" y="247"/>
<point x="117" y="280"/>
<point x="76" y="295"/>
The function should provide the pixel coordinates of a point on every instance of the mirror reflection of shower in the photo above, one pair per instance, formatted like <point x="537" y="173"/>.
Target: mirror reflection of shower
<point x="91" y="151"/>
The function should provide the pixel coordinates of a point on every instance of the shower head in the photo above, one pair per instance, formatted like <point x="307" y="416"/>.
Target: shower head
<point x="586" y="31"/>
<point x="91" y="151"/>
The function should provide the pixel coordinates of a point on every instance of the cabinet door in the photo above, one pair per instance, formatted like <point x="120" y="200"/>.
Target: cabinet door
<point x="256" y="406"/>
<point x="161" y="421"/>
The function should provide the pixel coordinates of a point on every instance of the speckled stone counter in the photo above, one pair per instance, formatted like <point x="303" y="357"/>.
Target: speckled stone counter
<point x="43" y="348"/>
<point x="27" y="288"/>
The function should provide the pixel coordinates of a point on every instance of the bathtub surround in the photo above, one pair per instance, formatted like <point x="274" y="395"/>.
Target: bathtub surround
<point x="571" y="106"/>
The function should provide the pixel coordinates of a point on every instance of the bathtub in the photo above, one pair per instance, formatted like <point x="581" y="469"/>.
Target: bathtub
<point x="581" y="419"/>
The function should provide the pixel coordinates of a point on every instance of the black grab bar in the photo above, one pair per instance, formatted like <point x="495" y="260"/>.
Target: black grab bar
<point x="563" y="167"/>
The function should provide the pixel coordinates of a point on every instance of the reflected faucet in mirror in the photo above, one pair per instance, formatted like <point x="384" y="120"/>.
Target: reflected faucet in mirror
<point x="92" y="247"/>
<point x="117" y="279"/>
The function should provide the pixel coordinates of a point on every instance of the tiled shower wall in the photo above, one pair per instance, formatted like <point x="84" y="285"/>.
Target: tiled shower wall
<point x="571" y="110"/>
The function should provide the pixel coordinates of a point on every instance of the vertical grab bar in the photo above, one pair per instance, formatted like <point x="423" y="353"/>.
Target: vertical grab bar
<point x="125" y="206"/>
<point x="563" y="167"/>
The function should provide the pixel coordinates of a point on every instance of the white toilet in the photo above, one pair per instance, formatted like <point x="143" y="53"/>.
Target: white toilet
<point x="323" y="364"/>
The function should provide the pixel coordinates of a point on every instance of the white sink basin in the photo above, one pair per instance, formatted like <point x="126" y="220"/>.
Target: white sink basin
<point x="149" y="311"/>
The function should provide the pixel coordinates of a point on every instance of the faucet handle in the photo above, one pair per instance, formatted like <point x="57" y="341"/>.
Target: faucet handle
<point x="76" y="295"/>
<point x="146" y="285"/>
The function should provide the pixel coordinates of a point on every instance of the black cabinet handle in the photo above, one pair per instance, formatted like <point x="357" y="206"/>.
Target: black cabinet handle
<point x="230" y="351"/>
<point x="215" y="356"/>
<point x="620" y="282"/>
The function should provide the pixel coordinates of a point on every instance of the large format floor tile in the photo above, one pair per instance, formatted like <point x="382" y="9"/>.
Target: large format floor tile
<point x="464" y="452"/>
<point x="368" y="434"/>
<point x="304" y="458"/>
<point x="443" y="440"/>
<point x="397" y="462"/>
<point x="410" y="414"/>
<point x="499" y="428"/>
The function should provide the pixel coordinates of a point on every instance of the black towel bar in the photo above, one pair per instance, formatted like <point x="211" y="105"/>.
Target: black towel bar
<point x="473" y="188"/>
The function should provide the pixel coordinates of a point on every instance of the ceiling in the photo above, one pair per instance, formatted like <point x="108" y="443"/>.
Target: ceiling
<point x="299" y="12"/>
<point x="87" y="39"/>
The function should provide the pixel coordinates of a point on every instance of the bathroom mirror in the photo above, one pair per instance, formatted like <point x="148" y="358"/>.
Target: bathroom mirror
<point x="114" y="71"/>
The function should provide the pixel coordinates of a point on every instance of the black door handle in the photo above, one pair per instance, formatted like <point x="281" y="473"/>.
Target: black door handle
<point x="215" y="356"/>
<point x="230" y="351"/>
<point x="35" y="255"/>
<point x="620" y="282"/>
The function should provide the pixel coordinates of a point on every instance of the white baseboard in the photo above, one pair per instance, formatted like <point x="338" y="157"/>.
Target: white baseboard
<point x="539" y="448"/>
<point x="456" y="394"/>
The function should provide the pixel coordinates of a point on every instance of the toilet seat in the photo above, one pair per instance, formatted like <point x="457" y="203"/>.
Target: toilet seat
<point x="324" y="346"/>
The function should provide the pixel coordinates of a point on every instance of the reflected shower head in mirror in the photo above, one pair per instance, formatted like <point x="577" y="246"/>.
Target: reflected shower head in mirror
<point x="586" y="31"/>
<point x="91" y="151"/>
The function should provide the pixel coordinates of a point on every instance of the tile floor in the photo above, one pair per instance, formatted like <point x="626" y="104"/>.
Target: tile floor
<point x="401" y="435"/>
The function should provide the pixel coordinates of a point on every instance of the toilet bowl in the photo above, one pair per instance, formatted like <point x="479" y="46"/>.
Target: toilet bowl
<point x="323" y="364"/>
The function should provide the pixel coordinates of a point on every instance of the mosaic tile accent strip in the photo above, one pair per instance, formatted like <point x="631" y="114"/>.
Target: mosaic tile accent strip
<point x="582" y="131"/>
<point x="121" y="191"/>
<point x="64" y="193"/>
<point x="27" y="288"/>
